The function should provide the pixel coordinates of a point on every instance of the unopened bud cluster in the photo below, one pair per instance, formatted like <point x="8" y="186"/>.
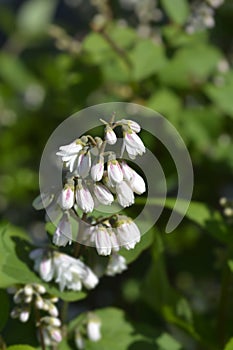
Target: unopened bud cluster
<point x="227" y="207"/>
<point x="33" y="297"/>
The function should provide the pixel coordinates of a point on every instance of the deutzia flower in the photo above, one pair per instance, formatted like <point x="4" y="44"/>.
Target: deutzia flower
<point x="97" y="169"/>
<point x="117" y="264"/>
<point x="93" y="327"/>
<point x="133" y="144"/>
<point x="63" y="233"/>
<point x="125" y="194"/>
<point x="69" y="153"/>
<point x="128" y="233"/>
<point x="135" y="181"/>
<point x="103" y="241"/>
<point x="110" y="136"/>
<point x="115" y="174"/>
<point x="66" y="199"/>
<point x="102" y="193"/>
<point x="84" y="198"/>
<point x="43" y="264"/>
<point x="79" y="341"/>
<point x="84" y="164"/>
<point x="134" y="126"/>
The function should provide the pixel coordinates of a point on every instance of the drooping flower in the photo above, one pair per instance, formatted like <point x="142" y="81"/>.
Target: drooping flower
<point x="137" y="183"/>
<point x="102" y="193"/>
<point x="84" y="164"/>
<point x="63" y="233"/>
<point x="110" y="136"/>
<point x="127" y="232"/>
<point x="131" y="124"/>
<point x="117" y="264"/>
<point x="84" y="198"/>
<point x="66" y="199"/>
<point x="133" y="144"/>
<point x="79" y="340"/>
<point x="97" y="169"/>
<point x="125" y="194"/>
<point x="93" y="328"/>
<point x="102" y="240"/>
<point x="115" y="174"/>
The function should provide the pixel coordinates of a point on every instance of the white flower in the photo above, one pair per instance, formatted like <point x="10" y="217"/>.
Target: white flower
<point x="63" y="233"/>
<point x="84" y="164"/>
<point x="46" y="270"/>
<point x="133" y="144"/>
<point x="117" y="264"/>
<point x="128" y="233"/>
<point x="51" y="335"/>
<point x="103" y="195"/>
<point x="125" y="194"/>
<point x="24" y="315"/>
<point x="43" y="201"/>
<point x="79" y="341"/>
<point x="97" y="169"/>
<point x="137" y="183"/>
<point x="84" y="198"/>
<point x="102" y="240"/>
<point x="90" y="280"/>
<point x="110" y="136"/>
<point x="127" y="171"/>
<point x="135" y="127"/>
<point x="66" y="198"/>
<point x="115" y="174"/>
<point x="69" y="153"/>
<point x="93" y="328"/>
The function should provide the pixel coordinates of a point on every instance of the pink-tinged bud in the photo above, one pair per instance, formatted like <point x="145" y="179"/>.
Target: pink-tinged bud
<point x="128" y="233"/>
<point x="24" y="315"/>
<point x="46" y="269"/>
<point x="84" y="198"/>
<point x="133" y="144"/>
<point x="55" y="334"/>
<point x="110" y="136"/>
<point x="66" y="199"/>
<point x="115" y="174"/>
<point x="97" y="169"/>
<point x="137" y="183"/>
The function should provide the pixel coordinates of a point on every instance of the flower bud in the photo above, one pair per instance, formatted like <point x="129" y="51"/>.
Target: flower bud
<point x="110" y="136"/>
<point x="97" y="169"/>
<point x="115" y="174"/>
<point x="93" y="328"/>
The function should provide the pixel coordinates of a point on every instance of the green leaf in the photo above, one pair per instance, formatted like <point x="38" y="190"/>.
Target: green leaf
<point x="4" y="308"/>
<point x="20" y="347"/>
<point x="34" y="16"/>
<point x="167" y="342"/>
<point x="229" y="345"/>
<point x="147" y="59"/>
<point x="177" y="10"/>
<point x="191" y="65"/>
<point x="222" y="95"/>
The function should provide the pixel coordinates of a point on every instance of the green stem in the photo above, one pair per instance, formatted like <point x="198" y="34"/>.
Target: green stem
<point x="64" y="311"/>
<point x="223" y="305"/>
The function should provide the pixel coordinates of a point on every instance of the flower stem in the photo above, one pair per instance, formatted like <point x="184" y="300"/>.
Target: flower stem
<point x="37" y="316"/>
<point x="223" y="305"/>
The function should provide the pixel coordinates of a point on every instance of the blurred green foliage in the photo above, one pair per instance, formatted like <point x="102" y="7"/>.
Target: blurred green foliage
<point x="59" y="57"/>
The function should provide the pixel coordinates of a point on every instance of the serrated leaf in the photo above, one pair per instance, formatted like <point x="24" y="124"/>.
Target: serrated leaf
<point x="177" y="10"/>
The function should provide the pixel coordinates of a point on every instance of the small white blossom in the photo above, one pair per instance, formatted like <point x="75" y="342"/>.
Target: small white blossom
<point x="102" y="193"/>
<point x="133" y="144"/>
<point x="24" y="315"/>
<point x="137" y="183"/>
<point x="115" y="174"/>
<point x="93" y="328"/>
<point x="46" y="269"/>
<point x="117" y="264"/>
<point x="69" y="154"/>
<point x="84" y="198"/>
<point x="79" y="341"/>
<point x="97" y="169"/>
<point x="110" y="136"/>
<point x="84" y="164"/>
<point x="63" y="233"/>
<point x="134" y="126"/>
<point x="102" y="240"/>
<point x="66" y="199"/>
<point x="125" y="194"/>
<point x="128" y="233"/>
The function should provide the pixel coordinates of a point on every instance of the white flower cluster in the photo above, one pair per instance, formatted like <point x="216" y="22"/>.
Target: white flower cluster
<point x="34" y="296"/>
<point x="90" y="328"/>
<point x="65" y="270"/>
<point x="202" y="15"/>
<point x="92" y="181"/>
